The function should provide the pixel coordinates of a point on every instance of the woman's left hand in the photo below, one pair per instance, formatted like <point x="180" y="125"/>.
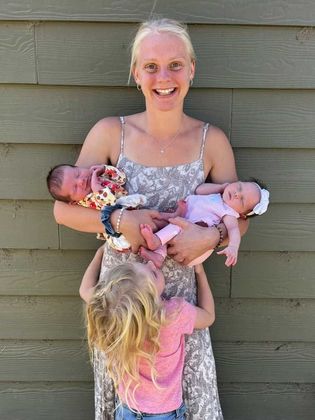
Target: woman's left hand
<point x="192" y="241"/>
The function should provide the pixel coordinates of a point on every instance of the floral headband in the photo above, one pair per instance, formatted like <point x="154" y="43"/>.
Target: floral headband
<point x="262" y="206"/>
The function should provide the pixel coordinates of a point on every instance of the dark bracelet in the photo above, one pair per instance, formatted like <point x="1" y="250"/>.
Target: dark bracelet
<point x="221" y="236"/>
<point x="105" y="218"/>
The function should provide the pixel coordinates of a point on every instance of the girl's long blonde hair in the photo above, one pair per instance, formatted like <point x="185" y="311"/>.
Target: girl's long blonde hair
<point x="123" y="321"/>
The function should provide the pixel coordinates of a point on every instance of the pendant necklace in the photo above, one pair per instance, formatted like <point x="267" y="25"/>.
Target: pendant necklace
<point x="171" y="141"/>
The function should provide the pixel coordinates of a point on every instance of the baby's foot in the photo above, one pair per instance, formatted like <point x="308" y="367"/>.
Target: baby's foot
<point x="153" y="242"/>
<point x="148" y="255"/>
<point x="181" y="208"/>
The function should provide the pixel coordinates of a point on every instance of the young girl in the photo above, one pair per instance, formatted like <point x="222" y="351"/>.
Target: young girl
<point x="211" y="204"/>
<point x="142" y="335"/>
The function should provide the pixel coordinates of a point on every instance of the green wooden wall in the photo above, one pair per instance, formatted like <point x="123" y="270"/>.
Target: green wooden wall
<point x="63" y="66"/>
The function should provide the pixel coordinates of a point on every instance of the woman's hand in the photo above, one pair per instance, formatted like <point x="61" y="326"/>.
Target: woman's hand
<point x="192" y="241"/>
<point x="130" y="222"/>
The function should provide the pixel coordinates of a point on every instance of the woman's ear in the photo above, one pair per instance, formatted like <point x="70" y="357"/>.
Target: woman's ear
<point x="192" y="69"/>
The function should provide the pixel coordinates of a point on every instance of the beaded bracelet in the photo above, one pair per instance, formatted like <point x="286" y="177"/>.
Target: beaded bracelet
<point x="221" y="236"/>
<point x="119" y="219"/>
<point x="105" y="218"/>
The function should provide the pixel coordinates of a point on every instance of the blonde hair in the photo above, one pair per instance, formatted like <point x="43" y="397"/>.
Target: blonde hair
<point x="123" y="321"/>
<point x="158" y="26"/>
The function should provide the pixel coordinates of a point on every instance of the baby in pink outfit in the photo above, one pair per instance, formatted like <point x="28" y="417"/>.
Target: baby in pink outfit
<point x="212" y="204"/>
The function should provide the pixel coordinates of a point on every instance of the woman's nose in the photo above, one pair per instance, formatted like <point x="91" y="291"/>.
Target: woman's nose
<point x="164" y="73"/>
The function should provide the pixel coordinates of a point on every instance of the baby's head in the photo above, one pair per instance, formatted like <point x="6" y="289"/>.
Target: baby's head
<point x="69" y="183"/>
<point x="249" y="198"/>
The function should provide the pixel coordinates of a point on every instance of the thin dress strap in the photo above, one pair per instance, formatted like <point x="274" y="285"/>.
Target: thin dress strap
<point x="204" y="135"/>
<point x="122" y="136"/>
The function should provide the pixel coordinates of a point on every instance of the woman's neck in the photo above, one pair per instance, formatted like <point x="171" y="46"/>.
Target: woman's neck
<point x="163" y="125"/>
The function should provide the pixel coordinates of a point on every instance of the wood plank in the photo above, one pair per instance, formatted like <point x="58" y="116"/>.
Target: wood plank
<point x="33" y="176"/>
<point x="265" y="362"/>
<point x="264" y="320"/>
<point x="273" y="12"/>
<point x="218" y="276"/>
<point x="17" y="53"/>
<point x="273" y="118"/>
<point x="289" y="176"/>
<point x="258" y="57"/>
<point x="274" y="275"/>
<point x="267" y="401"/>
<point x="41" y="272"/>
<point x="51" y="361"/>
<point x="277" y="230"/>
<point x="288" y="227"/>
<point x="61" y="318"/>
<point x="41" y="400"/>
<point x="65" y="114"/>
<point x="41" y="318"/>
<point x="27" y="224"/>
<point x="59" y="273"/>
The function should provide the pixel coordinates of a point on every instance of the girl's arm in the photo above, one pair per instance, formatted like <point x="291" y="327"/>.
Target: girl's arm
<point x="205" y="303"/>
<point x="210" y="188"/>
<point x="231" y="251"/>
<point x="91" y="276"/>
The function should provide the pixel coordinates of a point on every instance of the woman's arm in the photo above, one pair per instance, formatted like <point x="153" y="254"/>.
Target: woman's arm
<point x="219" y="165"/>
<point x="100" y="146"/>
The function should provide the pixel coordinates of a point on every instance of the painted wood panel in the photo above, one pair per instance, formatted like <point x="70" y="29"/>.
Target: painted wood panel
<point x="65" y="114"/>
<point x="23" y="156"/>
<point x="26" y="224"/>
<point x="267" y="401"/>
<point x="285" y="227"/>
<point x="17" y="53"/>
<point x="264" y="320"/>
<point x="274" y="275"/>
<point x="289" y="177"/>
<point x="237" y="56"/>
<point x="275" y="12"/>
<point x="288" y="173"/>
<point x="274" y="362"/>
<point x="42" y="400"/>
<point x="42" y="272"/>
<point x="26" y="361"/>
<point x="61" y="318"/>
<point x="30" y="317"/>
<point x="273" y="118"/>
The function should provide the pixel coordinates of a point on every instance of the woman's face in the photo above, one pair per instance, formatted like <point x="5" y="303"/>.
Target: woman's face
<point x="164" y="70"/>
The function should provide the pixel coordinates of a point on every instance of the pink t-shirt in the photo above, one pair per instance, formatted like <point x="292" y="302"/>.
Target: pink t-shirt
<point x="180" y="316"/>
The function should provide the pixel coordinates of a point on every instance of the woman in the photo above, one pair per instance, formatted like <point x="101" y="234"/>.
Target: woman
<point x="165" y="154"/>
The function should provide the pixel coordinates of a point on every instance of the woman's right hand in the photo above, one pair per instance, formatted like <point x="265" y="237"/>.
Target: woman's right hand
<point x="130" y="225"/>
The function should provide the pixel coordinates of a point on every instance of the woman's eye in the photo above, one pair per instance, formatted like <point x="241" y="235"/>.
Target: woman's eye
<point x="176" y="66"/>
<point x="151" y="67"/>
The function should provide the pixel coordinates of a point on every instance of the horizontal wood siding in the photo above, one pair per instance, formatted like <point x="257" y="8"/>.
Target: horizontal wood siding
<point x="63" y="67"/>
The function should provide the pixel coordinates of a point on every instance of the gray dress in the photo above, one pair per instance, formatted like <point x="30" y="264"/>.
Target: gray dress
<point x="163" y="187"/>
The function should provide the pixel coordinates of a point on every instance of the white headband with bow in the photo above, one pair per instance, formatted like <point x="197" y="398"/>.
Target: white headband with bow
<point x="262" y="206"/>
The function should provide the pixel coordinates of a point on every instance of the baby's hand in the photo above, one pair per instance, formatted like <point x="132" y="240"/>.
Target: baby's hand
<point x="96" y="184"/>
<point x="231" y="252"/>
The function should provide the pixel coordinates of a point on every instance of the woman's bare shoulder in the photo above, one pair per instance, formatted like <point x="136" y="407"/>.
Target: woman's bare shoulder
<point x="101" y="145"/>
<point x="219" y="157"/>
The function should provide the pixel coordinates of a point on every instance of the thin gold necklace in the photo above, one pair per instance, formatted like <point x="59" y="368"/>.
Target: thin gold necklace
<point x="171" y="141"/>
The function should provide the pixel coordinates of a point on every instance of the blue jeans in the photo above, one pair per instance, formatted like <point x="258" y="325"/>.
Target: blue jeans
<point x="124" y="413"/>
